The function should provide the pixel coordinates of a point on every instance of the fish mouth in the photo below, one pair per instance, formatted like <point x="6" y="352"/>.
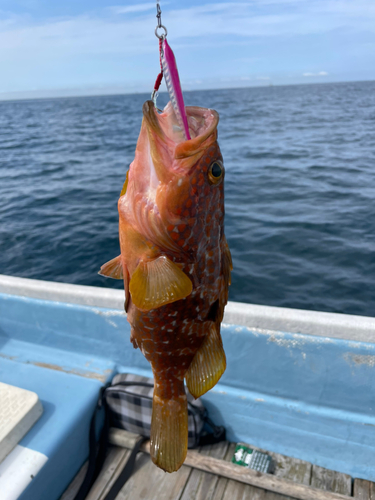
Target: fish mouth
<point x="151" y="118"/>
<point x="164" y="130"/>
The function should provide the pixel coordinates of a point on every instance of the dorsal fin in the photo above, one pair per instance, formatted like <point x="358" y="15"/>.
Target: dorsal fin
<point x="158" y="282"/>
<point x="112" y="269"/>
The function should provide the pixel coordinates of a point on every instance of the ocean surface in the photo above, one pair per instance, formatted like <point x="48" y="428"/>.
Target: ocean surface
<point x="300" y="190"/>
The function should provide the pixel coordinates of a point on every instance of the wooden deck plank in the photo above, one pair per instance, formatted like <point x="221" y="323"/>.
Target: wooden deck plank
<point x="222" y="482"/>
<point x="113" y="465"/>
<point x="293" y="469"/>
<point x="216" y="479"/>
<point x="228" y="489"/>
<point x="74" y="486"/>
<point x="148" y="482"/>
<point x="202" y="485"/>
<point x="330" y="480"/>
<point x="243" y="475"/>
<point x="290" y="468"/>
<point x="363" y="490"/>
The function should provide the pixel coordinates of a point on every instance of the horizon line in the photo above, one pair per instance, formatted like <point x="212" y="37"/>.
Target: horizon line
<point x="120" y="93"/>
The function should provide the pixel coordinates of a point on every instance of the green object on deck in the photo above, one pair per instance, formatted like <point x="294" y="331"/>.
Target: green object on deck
<point x="253" y="459"/>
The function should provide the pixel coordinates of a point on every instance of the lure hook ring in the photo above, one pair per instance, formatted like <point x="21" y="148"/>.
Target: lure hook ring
<point x="163" y="35"/>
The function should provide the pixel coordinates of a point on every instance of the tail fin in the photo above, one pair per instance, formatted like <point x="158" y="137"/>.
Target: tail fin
<point x="169" y="432"/>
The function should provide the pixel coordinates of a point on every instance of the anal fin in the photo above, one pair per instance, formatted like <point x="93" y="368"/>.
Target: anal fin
<point x="208" y="364"/>
<point x="157" y="282"/>
<point x="169" y="432"/>
<point x="113" y="269"/>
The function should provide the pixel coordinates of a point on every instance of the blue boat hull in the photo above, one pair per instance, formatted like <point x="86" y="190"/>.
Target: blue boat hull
<point x="307" y="393"/>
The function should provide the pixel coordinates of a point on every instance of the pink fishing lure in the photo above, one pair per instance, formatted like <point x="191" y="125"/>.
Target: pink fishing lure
<point x="172" y="81"/>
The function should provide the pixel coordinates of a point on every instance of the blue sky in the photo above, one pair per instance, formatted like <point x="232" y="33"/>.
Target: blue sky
<point x="70" y="47"/>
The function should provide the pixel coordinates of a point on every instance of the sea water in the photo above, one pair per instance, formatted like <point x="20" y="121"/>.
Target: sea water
<point x="299" y="184"/>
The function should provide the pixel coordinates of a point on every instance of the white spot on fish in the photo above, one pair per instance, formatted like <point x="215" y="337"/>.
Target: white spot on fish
<point x="179" y="180"/>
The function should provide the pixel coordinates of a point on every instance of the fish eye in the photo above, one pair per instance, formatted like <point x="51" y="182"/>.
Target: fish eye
<point x="215" y="172"/>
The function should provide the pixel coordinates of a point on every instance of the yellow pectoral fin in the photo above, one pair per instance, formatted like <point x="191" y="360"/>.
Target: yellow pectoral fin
<point x="158" y="282"/>
<point x="113" y="269"/>
<point x="208" y="364"/>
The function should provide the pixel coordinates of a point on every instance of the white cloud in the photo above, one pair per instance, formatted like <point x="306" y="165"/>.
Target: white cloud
<point x="321" y="73"/>
<point x="37" y="51"/>
<point x="143" y="7"/>
<point x="116" y="33"/>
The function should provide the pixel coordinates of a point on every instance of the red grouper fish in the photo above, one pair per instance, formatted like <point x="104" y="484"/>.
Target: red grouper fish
<point x="176" y="265"/>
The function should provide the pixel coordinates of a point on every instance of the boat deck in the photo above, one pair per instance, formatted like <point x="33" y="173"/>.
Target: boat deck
<point x="150" y="483"/>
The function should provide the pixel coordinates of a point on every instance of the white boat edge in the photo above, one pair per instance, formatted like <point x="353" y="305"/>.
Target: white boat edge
<point x="252" y="316"/>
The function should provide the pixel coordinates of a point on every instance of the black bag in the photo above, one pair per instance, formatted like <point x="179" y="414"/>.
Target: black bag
<point x="127" y="404"/>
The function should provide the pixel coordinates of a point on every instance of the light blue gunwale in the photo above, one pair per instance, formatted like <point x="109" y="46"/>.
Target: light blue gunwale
<point x="306" y="396"/>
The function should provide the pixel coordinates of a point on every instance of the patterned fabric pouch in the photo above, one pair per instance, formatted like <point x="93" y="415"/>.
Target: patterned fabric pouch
<point x="129" y="399"/>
